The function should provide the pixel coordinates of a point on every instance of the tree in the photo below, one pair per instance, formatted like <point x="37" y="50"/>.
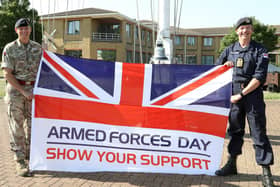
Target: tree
<point x="10" y="12"/>
<point x="262" y="33"/>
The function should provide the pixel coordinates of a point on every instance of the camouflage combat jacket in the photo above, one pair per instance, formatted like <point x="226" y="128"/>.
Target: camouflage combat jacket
<point x="22" y="59"/>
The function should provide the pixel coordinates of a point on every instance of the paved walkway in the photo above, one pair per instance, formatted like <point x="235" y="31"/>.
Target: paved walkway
<point x="250" y="173"/>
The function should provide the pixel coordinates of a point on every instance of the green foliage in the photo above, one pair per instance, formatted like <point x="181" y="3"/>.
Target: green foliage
<point x="2" y="84"/>
<point x="262" y="33"/>
<point x="227" y="40"/>
<point x="10" y="12"/>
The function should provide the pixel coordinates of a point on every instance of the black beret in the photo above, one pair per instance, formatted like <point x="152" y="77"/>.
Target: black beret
<point x="22" y="22"/>
<point x="243" y="21"/>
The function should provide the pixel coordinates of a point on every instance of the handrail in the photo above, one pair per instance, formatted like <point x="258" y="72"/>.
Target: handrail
<point x="98" y="36"/>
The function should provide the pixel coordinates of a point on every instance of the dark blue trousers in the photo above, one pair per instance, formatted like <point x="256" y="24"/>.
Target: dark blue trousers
<point x="251" y="106"/>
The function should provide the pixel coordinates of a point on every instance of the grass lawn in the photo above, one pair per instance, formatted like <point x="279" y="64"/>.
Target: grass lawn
<point x="271" y="95"/>
<point x="2" y="84"/>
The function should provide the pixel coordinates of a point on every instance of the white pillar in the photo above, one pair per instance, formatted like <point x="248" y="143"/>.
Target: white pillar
<point x="164" y="19"/>
<point x="164" y="48"/>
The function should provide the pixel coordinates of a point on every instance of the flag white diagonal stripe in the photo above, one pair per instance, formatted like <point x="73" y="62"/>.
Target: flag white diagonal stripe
<point x="185" y="84"/>
<point x="203" y="90"/>
<point x="89" y="84"/>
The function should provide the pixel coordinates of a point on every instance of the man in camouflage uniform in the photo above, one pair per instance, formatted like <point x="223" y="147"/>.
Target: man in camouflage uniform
<point x="20" y="61"/>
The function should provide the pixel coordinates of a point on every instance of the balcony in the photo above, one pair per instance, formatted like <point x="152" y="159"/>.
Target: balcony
<point x="106" y="37"/>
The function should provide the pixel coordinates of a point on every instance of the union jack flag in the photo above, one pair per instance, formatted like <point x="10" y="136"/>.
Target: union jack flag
<point x="173" y="97"/>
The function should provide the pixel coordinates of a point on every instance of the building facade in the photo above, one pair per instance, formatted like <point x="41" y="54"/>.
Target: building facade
<point x="110" y="36"/>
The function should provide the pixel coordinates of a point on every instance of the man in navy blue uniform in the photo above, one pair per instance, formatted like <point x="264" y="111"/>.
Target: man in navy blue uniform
<point x="249" y="60"/>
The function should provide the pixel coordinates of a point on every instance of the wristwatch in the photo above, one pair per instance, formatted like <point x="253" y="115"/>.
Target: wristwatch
<point x="242" y="95"/>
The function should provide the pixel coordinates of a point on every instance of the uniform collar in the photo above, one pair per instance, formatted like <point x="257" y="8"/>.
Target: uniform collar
<point x="21" y="44"/>
<point x="237" y="46"/>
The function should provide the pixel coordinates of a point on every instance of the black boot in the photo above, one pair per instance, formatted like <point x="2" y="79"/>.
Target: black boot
<point x="229" y="168"/>
<point x="267" y="180"/>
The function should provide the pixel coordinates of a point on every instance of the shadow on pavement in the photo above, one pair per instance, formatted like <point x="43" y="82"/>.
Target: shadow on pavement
<point x="150" y="179"/>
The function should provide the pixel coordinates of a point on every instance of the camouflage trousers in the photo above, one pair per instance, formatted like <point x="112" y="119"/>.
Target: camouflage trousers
<point x="19" y="116"/>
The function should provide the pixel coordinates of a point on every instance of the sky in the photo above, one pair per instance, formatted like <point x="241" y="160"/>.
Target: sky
<point x="194" y="13"/>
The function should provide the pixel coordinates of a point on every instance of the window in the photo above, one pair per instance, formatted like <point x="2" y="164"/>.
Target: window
<point x="177" y="40"/>
<point x="207" y="41"/>
<point x="107" y="55"/>
<point x="136" y="32"/>
<point x="73" y="27"/>
<point x="149" y="55"/>
<point x="179" y="59"/>
<point x="144" y="58"/>
<point x="191" y="59"/>
<point x="129" y="57"/>
<point x="109" y="28"/>
<point x="207" y="60"/>
<point x="191" y="40"/>
<point x="74" y="53"/>
<point x="142" y="35"/>
<point x="128" y="30"/>
<point x="148" y="36"/>
<point x="116" y="28"/>
<point x="137" y="57"/>
<point x="272" y="58"/>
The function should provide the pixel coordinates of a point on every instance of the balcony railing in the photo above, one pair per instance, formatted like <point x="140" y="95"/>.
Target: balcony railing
<point x="106" y="37"/>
